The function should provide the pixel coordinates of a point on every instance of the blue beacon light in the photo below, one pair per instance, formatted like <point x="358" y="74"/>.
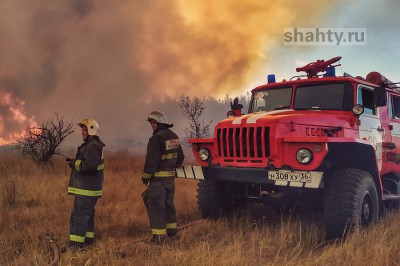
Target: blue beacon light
<point x="330" y="72"/>
<point x="271" y="78"/>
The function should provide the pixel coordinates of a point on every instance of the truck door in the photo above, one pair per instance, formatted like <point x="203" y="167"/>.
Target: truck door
<point x="394" y="122"/>
<point x="394" y="118"/>
<point x="370" y="128"/>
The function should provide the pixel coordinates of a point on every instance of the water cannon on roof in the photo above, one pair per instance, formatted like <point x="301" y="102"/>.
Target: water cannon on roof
<point x="312" y="69"/>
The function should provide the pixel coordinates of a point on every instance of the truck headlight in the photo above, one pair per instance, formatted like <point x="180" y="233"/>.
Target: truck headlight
<point x="204" y="154"/>
<point x="304" y="156"/>
<point x="358" y="109"/>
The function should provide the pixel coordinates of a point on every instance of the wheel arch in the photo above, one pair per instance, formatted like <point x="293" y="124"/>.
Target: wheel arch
<point x="355" y="155"/>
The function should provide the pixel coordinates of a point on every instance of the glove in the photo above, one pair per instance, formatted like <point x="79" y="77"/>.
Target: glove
<point x="70" y="162"/>
<point x="145" y="181"/>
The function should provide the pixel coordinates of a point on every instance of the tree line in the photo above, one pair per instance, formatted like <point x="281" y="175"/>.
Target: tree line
<point x="41" y="143"/>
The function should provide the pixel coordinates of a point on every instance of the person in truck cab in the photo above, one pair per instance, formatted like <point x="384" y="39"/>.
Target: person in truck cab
<point x="164" y="154"/>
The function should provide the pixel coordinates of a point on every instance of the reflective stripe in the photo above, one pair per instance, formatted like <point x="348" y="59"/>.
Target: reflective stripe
<point x="159" y="231"/>
<point x="77" y="165"/>
<point x="85" y="192"/>
<point x="146" y="175"/>
<point x="100" y="167"/>
<point x="80" y="239"/>
<point x="169" y="156"/>
<point x="188" y="171"/>
<point x="171" y="226"/>
<point x="253" y="119"/>
<point x="90" y="234"/>
<point x="159" y="174"/>
<point x="164" y="173"/>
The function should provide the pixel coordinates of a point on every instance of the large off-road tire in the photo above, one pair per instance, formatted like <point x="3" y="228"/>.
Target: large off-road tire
<point x="350" y="201"/>
<point x="209" y="200"/>
<point x="217" y="199"/>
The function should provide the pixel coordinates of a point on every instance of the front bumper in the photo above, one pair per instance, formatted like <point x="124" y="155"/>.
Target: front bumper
<point x="252" y="175"/>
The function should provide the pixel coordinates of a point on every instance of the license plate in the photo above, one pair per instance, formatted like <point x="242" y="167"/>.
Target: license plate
<point x="289" y="176"/>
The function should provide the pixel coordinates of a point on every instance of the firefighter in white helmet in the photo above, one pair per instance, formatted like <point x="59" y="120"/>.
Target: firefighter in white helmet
<point x="164" y="154"/>
<point x="86" y="184"/>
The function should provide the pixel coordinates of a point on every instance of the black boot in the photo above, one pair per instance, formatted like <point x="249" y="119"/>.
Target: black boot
<point x="89" y="241"/>
<point x="171" y="232"/>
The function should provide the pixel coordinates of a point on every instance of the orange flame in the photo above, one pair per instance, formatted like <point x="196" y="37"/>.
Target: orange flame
<point x="13" y="118"/>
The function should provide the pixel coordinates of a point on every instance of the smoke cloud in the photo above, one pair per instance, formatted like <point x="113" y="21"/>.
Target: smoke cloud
<point x="118" y="60"/>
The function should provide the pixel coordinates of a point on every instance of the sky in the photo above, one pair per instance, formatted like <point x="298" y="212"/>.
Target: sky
<point x="116" y="61"/>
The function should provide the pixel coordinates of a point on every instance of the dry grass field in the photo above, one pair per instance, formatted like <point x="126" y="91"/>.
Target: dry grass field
<point x="34" y="202"/>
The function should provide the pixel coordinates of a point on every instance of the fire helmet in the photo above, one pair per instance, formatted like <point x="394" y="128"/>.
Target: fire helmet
<point x="158" y="117"/>
<point x="91" y="125"/>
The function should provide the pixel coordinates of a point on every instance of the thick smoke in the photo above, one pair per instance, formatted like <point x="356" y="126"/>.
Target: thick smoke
<point x="118" y="60"/>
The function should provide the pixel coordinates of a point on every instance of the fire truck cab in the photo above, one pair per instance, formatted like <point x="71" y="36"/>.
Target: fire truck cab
<point x="316" y="141"/>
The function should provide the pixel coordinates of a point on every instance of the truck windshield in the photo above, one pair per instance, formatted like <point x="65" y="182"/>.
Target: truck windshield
<point x="272" y="99"/>
<point x="337" y="96"/>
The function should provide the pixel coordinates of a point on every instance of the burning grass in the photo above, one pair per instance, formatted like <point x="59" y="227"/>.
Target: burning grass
<point x="33" y="202"/>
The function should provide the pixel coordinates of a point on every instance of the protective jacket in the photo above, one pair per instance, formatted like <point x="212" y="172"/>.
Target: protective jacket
<point x="88" y="169"/>
<point x="164" y="154"/>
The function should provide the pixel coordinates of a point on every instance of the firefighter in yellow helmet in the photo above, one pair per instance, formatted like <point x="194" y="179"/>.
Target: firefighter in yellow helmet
<point x="86" y="184"/>
<point x="164" y="154"/>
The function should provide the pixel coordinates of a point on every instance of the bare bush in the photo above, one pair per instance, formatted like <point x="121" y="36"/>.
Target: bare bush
<point x="192" y="109"/>
<point x="41" y="143"/>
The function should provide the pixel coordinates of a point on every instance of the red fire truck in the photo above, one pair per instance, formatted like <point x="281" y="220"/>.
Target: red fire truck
<point x="316" y="141"/>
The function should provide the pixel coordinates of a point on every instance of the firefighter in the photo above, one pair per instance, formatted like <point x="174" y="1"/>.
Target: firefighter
<point x="86" y="183"/>
<point x="164" y="154"/>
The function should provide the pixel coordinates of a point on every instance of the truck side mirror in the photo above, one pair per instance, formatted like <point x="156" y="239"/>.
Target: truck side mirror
<point x="380" y="98"/>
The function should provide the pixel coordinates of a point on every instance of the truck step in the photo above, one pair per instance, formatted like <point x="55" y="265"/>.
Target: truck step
<point x="391" y="196"/>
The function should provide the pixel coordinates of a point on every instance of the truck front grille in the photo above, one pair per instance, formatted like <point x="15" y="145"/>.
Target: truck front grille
<point x="243" y="143"/>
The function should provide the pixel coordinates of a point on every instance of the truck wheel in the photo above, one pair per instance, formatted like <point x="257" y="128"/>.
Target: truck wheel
<point x="209" y="200"/>
<point x="350" y="201"/>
